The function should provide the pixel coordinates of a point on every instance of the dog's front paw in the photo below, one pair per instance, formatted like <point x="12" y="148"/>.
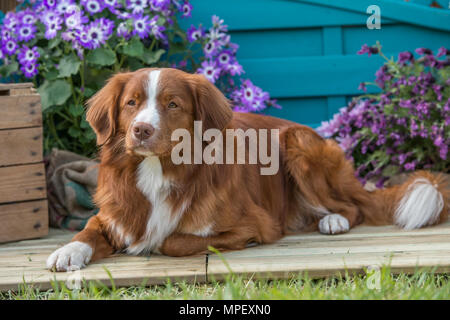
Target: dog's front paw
<point x="72" y="256"/>
<point x="333" y="224"/>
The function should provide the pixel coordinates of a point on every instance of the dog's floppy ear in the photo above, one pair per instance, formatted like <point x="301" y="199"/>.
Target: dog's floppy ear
<point x="211" y="106"/>
<point x="103" y="107"/>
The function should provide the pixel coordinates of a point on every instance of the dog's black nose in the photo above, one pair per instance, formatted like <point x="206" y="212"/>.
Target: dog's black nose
<point x="142" y="131"/>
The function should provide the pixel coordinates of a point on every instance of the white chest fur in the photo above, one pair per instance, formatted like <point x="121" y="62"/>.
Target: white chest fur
<point x="161" y="222"/>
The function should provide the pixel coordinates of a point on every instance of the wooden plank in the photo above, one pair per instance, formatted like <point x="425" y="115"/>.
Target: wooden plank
<point x="24" y="182"/>
<point x="398" y="11"/>
<point x="8" y="5"/>
<point x="23" y="220"/>
<point x="20" y="111"/>
<point x="21" y="146"/>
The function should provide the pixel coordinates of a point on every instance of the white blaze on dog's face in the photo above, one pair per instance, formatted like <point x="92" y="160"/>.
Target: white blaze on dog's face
<point x="141" y="109"/>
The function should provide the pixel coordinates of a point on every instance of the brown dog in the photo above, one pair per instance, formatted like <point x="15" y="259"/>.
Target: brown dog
<point x="148" y="203"/>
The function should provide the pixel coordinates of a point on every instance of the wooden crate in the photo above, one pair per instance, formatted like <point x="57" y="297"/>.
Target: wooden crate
<point x="23" y="203"/>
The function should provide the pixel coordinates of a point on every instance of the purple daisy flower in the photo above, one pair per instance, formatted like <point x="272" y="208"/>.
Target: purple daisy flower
<point x="10" y="21"/>
<point x="75" y="20"/>
<point x="9" y="46"/>
<point x="210" y="49"/>
<point x="26" y="32"/>
<point x="63" y="6"/>
<point x="93" y="6"/>
<point x="422" y="51"/>
<point x="186" y="8"/>
<point x="52" y="29"/>
<point x="50" y="4"/>
<point x="30" y="69"/>
<point x="142" y="26"/>
<point x="194" y="34"/>
<point x="157" y="30"/>
<point x="112" y="5"/>
<point x="95" y="35"/>
<point x="122" y="31"/>
<point x="362" y="86"/>
<point x="224" y="59"/>
<point x="160" y="5"/>
<point x="209" y="70"/>
<point x="27" y="55"/>
<point x="137" y="6"/>
<point x="27" y="16"/>
<point x="442" y="52"/>
<point x="404" y="57"/>
<point x="235" y="69"/>
<point x="6" y="33"/>
<point x="48" y="17"/>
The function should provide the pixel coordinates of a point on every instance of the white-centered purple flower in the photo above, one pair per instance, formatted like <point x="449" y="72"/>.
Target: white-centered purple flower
<point x="157" y="30"/>
<point x="48" y="17"/>
<point x="186" y="9"/>
<point x="194" y="34"/>
<point x="52" y="29"/>
<point x="10" y="20"/>
<point x="209" y="70"/>
<point x="93" y="6"/>
<point x="142" y="26"/>
<point x="50" y="4"/>
<point x="123" y="31"/>
<point x="136" y="6"/>
<point x="63" y="6"/>
<point x="26" y="32"/>
<point x="30" y="69"/>
<point x="27" y="16"/>
<point x="75" y="20"/>
<point x="9" y="46"/>
<point x="159" y="5"/>
<point x="211" y="48"/>
<point x="28" y="55"/>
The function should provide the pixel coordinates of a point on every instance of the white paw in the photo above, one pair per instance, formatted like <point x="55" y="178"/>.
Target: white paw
<point x="333" y="224"/>
<point x="72" y="256"/>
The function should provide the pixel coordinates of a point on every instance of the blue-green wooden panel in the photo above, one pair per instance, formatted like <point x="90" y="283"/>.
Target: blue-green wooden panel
<point x="303" y="52"/>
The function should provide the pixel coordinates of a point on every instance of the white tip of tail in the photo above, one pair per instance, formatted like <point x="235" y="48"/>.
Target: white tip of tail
<point x="420" y="206"/>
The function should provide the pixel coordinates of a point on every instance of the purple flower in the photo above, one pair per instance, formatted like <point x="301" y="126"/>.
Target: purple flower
<point x="10" y="21"/>
<point x="27" y="16"/>
<point x="159" y="5"/>
<point x="26" y="32"/>
<point x="362" y="86"/>
<point x="137" y="6"/>
<point x="250" y="97"/>
<point x="369" y="50"/>
<point x="75" y="20"/>
<point x="48" y="17"/>
<point x="186" y="8"/>
<point x="122" y="31"/>
<point x="93" y="6"/>
<point x="194" y="34"/>
<point x="96" y="34"/>
<point x="112" y="5"/>
<point x="52" y="29"/>
<point x="422" y="51"/>
<point x="141" y="26"/>
<point x="30" y="70"/>
<point x="9" y="46"/>
<point x="442" y="52"/>
<point x="27" y="55"/>
<point x="157" y="30"/>
<point x="50" y="4"/>
<point x="211" y="48"/>
<point x="209" y="70"/>
<point x="410" y="166"/>
<point x="404" y="57"/>
<point x="235" y="69"/>
<point x="63" y="6"/>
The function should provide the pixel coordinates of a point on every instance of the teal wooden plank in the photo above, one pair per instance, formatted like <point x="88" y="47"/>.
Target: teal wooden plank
<point x="332" y="40"/>
<point x="270" y="14"/>
<point x="395" y="10"/>
<point x="307" y="111"/>
<point x="394" y="38"/>
<point x="334" y="104"/>
<point x="278" y="43"/>
<point x="312" y="76"/>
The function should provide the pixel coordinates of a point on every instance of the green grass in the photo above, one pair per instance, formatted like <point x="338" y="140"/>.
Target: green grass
<point x="383" y="285"/>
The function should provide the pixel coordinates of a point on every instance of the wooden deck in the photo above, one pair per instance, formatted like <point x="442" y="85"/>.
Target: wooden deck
<point x="318" y="255"/>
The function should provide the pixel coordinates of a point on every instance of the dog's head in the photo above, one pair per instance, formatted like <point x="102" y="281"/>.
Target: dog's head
<point x="141" y="109"/>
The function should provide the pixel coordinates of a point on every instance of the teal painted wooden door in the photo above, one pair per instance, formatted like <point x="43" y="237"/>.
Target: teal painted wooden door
<point x="304" y="52"/>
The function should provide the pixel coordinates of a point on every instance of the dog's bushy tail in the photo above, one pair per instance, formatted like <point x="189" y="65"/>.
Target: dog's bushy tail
<point x="420" y="201"/>
<point x="326" y="180"/>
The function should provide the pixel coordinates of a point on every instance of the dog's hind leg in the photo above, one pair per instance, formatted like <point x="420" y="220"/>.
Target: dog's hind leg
<point x="325" y="180"/>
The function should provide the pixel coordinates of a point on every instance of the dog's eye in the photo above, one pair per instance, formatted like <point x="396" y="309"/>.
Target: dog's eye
<point x="131" y="103"/>
<point x="172" y="105"/>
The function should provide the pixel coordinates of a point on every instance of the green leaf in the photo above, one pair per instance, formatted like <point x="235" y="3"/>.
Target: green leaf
<point x="68" y="66"/>
<point x="54" y="93"/>
<point x="390" y="170"/>
<point x="76" y="110"/>
<point x="101" y="57"/>
<point x="51" y="75"/>
<point x="74" y="132"/>
<point x="133" y="48"/>
<point x="54" y="42"/>
<point x="150" y="57"/>
<point x="8" y="69"/>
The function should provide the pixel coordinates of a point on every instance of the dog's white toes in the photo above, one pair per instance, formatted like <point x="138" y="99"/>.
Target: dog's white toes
<point x="72" y="256"/>
<point x="333" y="224"/>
